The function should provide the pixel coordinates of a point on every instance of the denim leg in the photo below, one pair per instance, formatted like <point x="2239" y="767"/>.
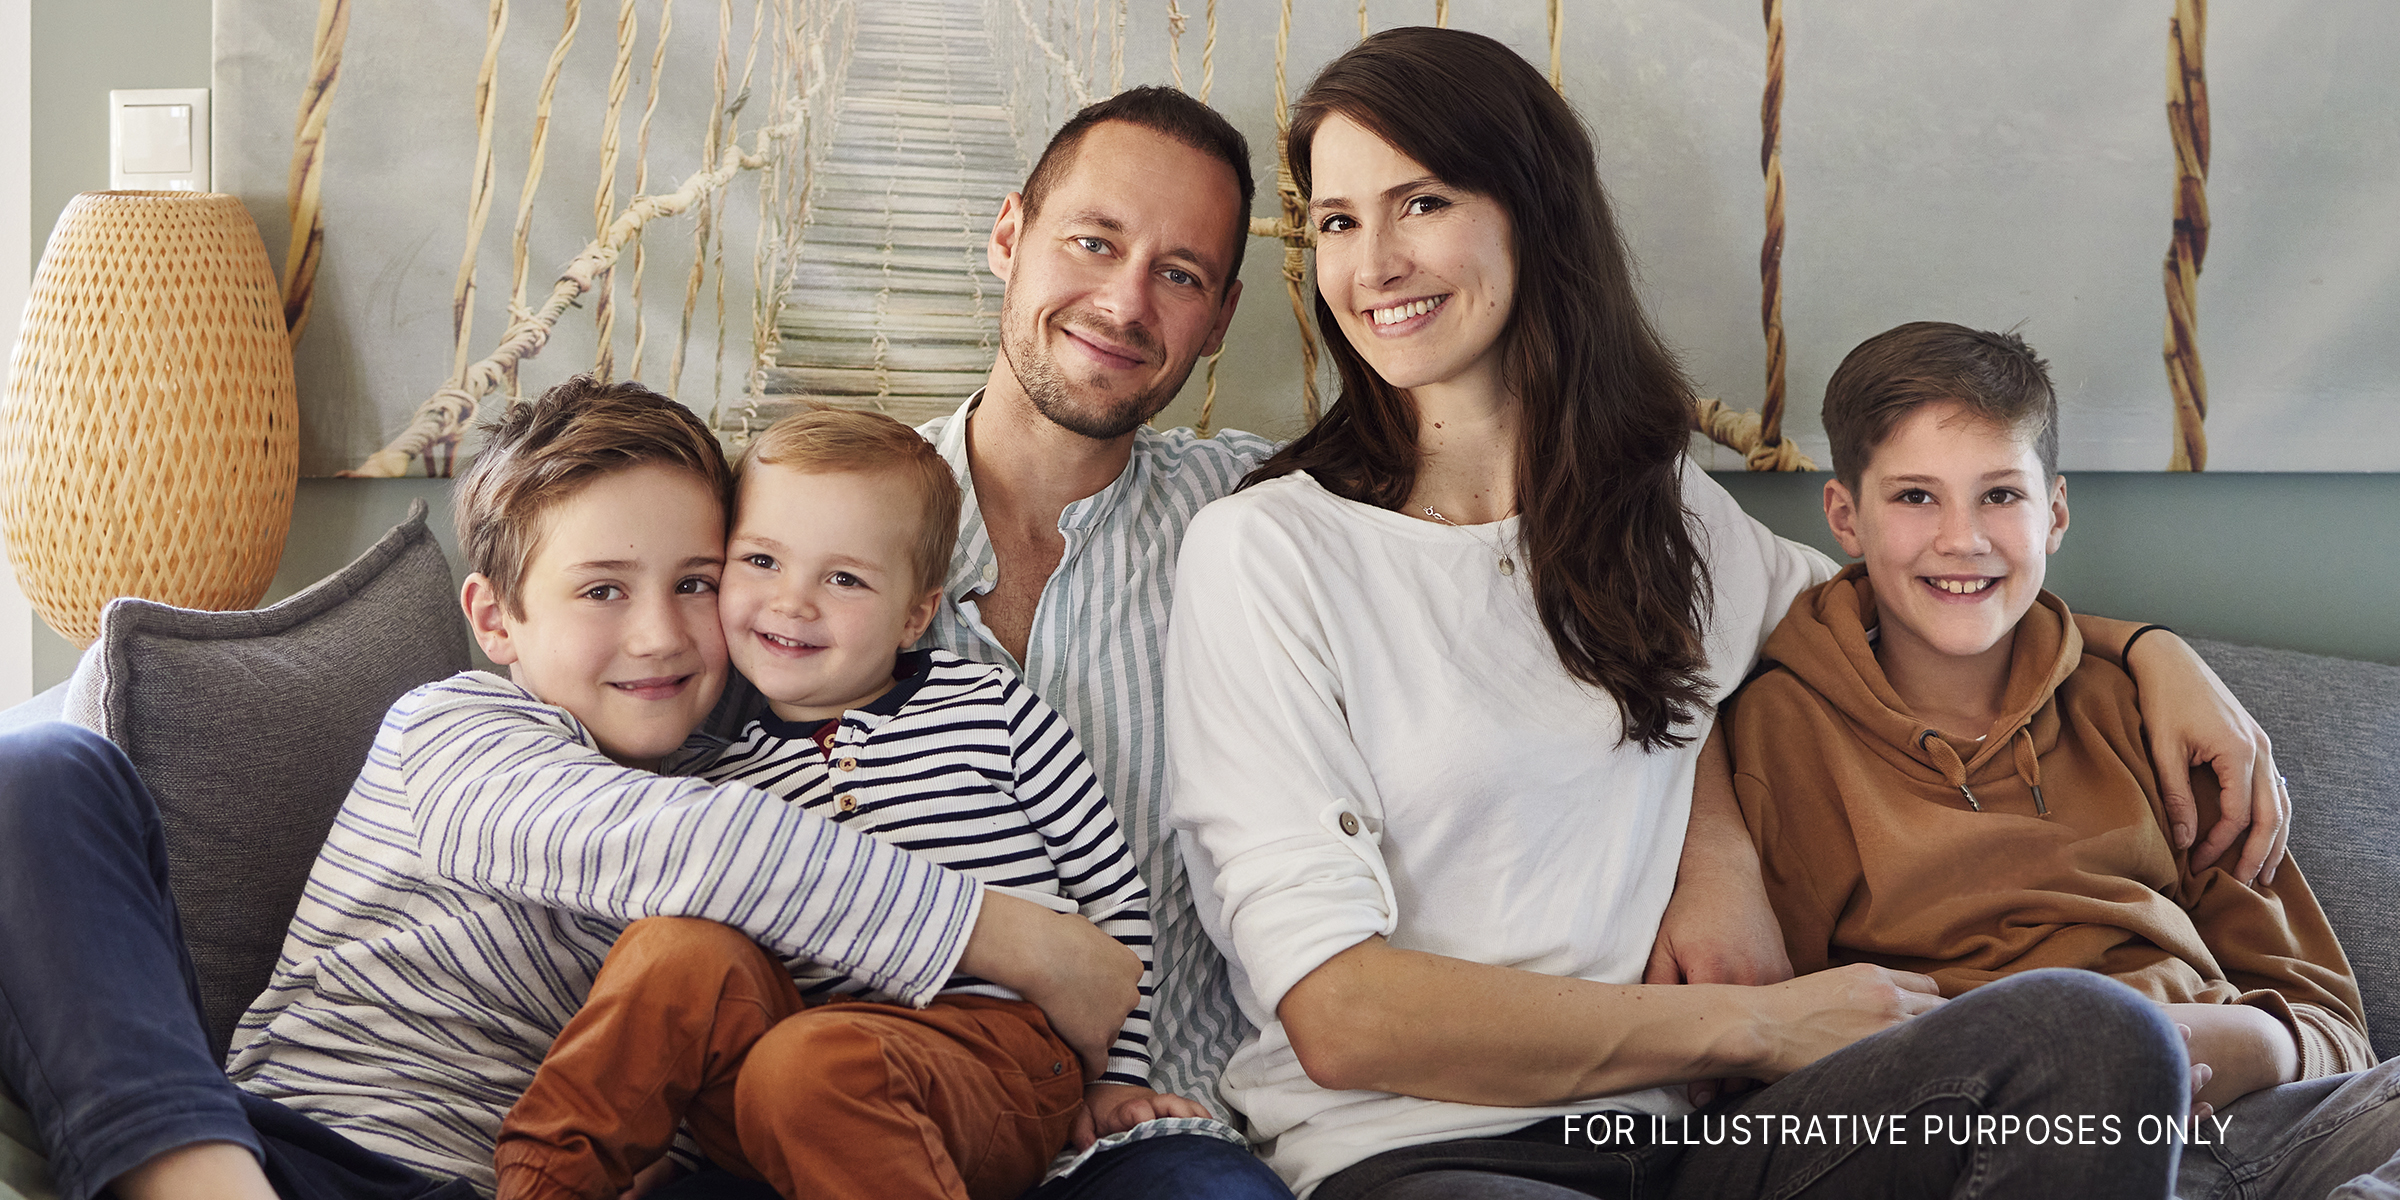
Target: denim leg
<point x="100" y="1031"/>
<point x="1182" y="1166"/>
<point x="2056" y="1043"/>
<point x="2337" y="1136"/>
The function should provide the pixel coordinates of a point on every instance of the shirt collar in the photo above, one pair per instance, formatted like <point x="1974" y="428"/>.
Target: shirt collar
<point x="973" y="566"/>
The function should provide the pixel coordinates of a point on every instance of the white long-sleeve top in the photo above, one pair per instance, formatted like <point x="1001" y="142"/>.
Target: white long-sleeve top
<point x="478" y="873"/>
<point x="1369" y="732"/>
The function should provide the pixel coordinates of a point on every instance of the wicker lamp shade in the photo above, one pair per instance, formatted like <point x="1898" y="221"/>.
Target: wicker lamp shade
<point x="150" y="435"/>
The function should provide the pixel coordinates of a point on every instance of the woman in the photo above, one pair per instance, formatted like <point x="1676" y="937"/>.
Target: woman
<point x="1438" y="685"/>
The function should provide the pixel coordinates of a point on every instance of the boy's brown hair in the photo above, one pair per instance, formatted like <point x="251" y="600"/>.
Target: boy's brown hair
<point x="1995" y="375"/>
<point x="541" y="453"/>
<point x="830" y="441"/>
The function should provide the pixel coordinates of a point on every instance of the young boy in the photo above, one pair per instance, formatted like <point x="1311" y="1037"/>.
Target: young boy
<point x="496" y="841"/>
<point x="1940" y="780"/>
<point x="841" y="541"/>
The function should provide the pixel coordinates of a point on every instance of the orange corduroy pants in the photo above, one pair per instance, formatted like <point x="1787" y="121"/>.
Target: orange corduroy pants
<point x="690" y="1021"/>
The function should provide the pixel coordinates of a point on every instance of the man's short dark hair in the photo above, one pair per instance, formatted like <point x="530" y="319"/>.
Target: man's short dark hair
<point x="1163" y="111"/>
<point x="1996" y="376"/>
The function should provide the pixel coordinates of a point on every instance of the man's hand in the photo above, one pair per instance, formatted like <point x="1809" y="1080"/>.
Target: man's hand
<point x="2193" y="720"/>
<point x="1718" y="927"/>
<point x="1116" y="1107"/>
<point x="1083" y="980"/>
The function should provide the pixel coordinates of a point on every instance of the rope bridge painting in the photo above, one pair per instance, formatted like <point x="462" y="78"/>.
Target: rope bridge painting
<point x="755" y="204"/>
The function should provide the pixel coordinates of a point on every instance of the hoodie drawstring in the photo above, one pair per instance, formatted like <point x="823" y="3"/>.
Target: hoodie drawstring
<point x="2029" y="768"/>
<point x="1954" y="770"/>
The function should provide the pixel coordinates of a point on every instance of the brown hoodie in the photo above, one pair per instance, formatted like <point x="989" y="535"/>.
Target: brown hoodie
<point x="2043" y="845"/>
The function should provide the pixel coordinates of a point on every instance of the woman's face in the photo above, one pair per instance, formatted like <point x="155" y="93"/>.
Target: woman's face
<point x="1419" y="273"/>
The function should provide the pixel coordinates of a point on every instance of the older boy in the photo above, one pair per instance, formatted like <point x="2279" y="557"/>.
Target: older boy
<point x="494" y="843"/>
<point x="1941" y="780"/>
<point x="841" y="538"/>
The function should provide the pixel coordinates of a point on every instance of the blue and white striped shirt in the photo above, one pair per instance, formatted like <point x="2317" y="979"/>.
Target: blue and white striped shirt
<point x="962" y="765"/>
<point x="1097" y="653"/>
<point x="484" y="863"/>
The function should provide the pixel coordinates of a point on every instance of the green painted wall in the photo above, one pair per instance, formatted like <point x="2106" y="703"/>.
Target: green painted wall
<point x="2306" y="562"/>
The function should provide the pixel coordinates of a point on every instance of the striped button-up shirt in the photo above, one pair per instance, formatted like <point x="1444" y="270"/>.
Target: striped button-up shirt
<point x="1096" y="653"/>
<point x="478" y="873"/>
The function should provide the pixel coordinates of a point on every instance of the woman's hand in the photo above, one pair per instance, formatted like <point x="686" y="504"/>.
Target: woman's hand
<point x="1116" y="1107"/>
<point x="2192" y="720"/>
<point x="1813" y="1016"/>
<point x="1082" y="979"/>
<point x="2245" y="1049"/>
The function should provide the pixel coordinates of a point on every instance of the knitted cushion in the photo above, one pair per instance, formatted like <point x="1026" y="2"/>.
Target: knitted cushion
<point x="249" y="727"/>
<point x="2334" y="722"/>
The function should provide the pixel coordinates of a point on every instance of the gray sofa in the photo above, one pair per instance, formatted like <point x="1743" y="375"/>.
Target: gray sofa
<point x="249" y="727"/>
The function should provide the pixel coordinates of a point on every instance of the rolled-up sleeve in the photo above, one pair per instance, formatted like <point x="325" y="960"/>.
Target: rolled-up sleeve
<point x="1276" y="809"/>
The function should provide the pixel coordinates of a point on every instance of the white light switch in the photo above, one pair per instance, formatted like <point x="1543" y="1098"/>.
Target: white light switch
<point x="158" y="139"/>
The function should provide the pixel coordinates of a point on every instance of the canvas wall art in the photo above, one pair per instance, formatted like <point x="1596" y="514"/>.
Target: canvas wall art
<point x="756" y="203"/>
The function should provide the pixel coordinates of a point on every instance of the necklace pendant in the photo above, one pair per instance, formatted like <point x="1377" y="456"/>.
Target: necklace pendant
<point x="1508" y="566"/>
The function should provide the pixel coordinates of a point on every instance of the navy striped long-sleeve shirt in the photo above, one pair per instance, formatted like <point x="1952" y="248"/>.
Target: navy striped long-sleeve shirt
<point x="963" y="765"/>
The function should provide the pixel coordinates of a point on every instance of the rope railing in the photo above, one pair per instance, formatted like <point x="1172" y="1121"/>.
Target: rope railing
<point x="479" y="192"/>
<point x="304" y="196"/>
<point x="1770" y="250"/>
<point x="2187" y="122"/>
<point x="442" y="419"/>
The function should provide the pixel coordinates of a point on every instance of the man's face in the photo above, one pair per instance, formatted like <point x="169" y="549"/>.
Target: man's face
<point x="1120" y="283"/>
<point x="620" y="610"/>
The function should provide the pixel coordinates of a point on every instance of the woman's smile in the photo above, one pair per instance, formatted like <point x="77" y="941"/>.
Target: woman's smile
<point x="1420" y="274"/>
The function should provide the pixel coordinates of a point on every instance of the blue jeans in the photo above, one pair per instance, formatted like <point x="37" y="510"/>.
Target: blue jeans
<point x="1185" y="1166"/>
<point x="100" y="1028"/>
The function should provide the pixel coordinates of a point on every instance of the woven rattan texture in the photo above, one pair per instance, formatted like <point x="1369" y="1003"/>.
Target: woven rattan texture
<point x="150" y="434"/>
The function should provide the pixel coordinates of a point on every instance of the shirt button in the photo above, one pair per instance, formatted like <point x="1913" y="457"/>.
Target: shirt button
<point x="1349" y="824"/>
<point x="991" y="572"/>
<point x="848" y="802"/>
<point x="848" y="764"/>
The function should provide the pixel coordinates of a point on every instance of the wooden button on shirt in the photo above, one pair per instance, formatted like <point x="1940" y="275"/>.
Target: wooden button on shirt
<point x="848" y="802"/>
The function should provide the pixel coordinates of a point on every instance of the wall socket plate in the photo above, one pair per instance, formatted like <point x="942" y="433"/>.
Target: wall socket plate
<point x="158" y="140"/>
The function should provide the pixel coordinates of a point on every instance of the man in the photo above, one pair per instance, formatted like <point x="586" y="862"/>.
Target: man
<point x="1121" y="258"/>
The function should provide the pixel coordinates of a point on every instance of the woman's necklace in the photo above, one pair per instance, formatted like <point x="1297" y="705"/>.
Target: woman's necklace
<point x="1508" y="565"/>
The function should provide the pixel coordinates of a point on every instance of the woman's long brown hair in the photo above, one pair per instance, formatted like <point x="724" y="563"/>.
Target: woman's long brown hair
<point x="1616" y="575"/>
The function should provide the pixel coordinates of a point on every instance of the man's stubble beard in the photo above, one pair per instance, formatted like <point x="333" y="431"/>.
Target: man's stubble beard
<point x="1047" y="387"/>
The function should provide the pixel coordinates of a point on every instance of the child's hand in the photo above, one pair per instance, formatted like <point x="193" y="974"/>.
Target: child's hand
<point x="1116" y="1107"/>
<point x="2244" y="1048"/>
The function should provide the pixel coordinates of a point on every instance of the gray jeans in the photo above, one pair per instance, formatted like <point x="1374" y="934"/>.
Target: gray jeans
<point x="2334" y="1138"/>
<point x="2079" y="1055"/>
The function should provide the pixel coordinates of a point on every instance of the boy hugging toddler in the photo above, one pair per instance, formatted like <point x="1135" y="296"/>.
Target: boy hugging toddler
<point x="1940" y="779"/>
<point x="841" y="539"/>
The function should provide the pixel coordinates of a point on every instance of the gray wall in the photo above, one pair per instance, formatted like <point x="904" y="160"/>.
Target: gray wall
<point x="2309" y="562"/>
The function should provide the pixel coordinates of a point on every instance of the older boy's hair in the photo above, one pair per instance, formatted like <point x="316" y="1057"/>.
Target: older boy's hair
<point x="1164" y="111"/>
<point x="1995" y="375"/>
<point x="541" y="453"/>
<point x="831" y="441"/>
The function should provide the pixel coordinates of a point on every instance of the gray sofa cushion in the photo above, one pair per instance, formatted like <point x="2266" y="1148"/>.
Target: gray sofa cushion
<point x="249" y="728"/>
<point x="2336" y="726"/>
